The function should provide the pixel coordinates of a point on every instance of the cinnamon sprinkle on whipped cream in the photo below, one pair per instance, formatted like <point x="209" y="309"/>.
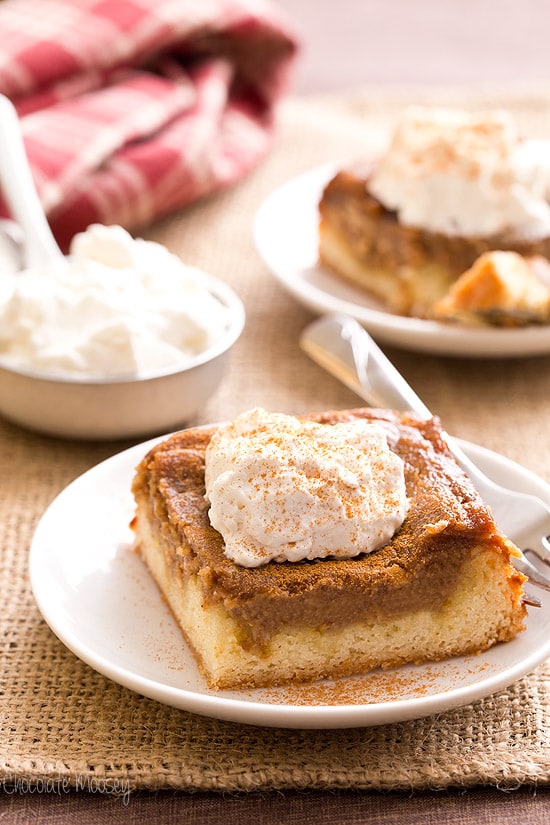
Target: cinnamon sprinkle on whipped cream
<point x="465" y="173"/>
<point x="285" y="489"/>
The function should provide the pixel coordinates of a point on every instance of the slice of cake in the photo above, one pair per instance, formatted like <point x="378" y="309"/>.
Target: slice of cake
<point x="451" y="186"/>
<point x="353" y="541"/>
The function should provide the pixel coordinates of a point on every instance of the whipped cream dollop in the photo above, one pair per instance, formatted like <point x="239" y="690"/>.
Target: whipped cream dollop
<point x="285" y="489"/>
<point x="117" y="306"/>
<point x="463" y="173"/>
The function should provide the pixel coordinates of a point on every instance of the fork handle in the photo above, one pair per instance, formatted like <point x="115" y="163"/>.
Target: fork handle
<point x="345" y="349"/>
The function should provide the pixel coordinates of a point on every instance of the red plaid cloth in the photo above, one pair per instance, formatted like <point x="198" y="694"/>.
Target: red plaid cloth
<point x="131" y="108"/>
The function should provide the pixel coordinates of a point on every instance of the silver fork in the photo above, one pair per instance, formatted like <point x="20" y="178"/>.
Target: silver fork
<point x="341" y="345"/>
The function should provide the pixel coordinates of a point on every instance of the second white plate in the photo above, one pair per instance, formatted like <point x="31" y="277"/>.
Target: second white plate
<point x="286" y="234"/>
<point x="97" y="596"/>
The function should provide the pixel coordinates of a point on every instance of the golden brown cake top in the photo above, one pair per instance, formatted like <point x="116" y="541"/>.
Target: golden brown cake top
<point x="445" y="521"/>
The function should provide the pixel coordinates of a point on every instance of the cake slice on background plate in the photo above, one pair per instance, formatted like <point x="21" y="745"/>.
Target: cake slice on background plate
<point x="451" y="186"/>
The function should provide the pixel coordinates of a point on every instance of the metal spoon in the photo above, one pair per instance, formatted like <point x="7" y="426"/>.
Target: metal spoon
<point x="16" y="180"/>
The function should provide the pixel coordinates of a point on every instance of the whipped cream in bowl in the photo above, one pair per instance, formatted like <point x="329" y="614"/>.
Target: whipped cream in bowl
<point x="120" y="339"/>
<point x="286" y="489"/>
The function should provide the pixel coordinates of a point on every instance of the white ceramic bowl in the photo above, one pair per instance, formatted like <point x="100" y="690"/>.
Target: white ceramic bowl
<point x="110" y="408"/>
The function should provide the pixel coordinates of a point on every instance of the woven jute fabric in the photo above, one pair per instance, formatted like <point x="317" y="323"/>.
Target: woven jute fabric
<point x="61" y="720"/>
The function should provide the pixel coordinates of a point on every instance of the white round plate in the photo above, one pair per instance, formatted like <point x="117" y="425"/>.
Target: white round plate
<point x="97" y="596"/>
<point x="286" y="234"/>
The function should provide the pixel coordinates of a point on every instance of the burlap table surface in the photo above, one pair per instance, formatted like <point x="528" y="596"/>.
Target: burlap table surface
<point x="61" y="721"/>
